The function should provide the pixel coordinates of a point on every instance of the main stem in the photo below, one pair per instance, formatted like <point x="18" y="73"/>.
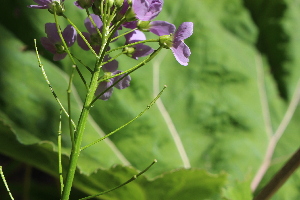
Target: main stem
<point x="81" y="125"/>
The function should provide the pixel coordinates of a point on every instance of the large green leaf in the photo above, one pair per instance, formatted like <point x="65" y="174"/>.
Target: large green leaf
<point x="219" y="105"/>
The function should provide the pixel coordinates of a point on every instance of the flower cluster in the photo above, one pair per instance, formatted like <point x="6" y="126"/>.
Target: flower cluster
<point x="134" y="15"/>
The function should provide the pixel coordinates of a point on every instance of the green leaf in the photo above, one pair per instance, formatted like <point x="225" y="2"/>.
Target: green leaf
<point x="224" y="107"/>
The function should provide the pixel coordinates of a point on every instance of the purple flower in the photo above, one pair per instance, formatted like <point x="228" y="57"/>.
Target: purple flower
<point x="82" y="4"/>
<point x="180" y="50"/>
<point x="49" y="4"/>
<point x="146" y="10"/>
<point x="53" y="42"/>
<point x="110" y="69"/>
<point x="138" y="50"/>
<point x="44" y="4"/>
<point x="92" y="36"/>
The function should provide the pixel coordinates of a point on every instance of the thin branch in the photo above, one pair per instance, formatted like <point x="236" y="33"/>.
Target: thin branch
<point x="275" y="138"/>
<point x="167" y="117"/>
<point x="263" y="96"/>
<point x="280" y="178"/>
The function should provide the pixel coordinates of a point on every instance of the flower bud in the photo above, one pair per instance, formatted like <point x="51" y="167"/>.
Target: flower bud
<point x="143" y="26"/>
<point x="110" y="3"/>
<point x="58" y="7"/>
<point x="129" y="51"/>
<point x="96" y="7"/>
<point x="130" y="15"/>
<point x="166" y="41"/>
<point x="85" y="3"/>
<point x="119" y="3"/>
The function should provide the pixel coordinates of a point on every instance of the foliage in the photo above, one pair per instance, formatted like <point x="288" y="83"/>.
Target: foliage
<point x="242" y="74"/>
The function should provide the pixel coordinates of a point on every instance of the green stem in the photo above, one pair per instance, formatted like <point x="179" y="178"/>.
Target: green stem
<point x="78" y="137"/>
<point x="114" y="58"/>
<point x="127" y="72"/>
<point x="121" y="185"/>
<point x="132" y="44"/>
<point x="124" y="34"/>
<point x="5" y="183"/>
<point x="135" y="67"/>
<point x="49" y="84"/>
<point x="81" y="35"/>
<point x="61" y="179"/>
<point x="139" y="115"/>
<point x="82" y="121"/>
<point x="69" y="103"/>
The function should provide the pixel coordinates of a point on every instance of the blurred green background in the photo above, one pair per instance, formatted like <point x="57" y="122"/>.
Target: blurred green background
<point x="226" y="106"/>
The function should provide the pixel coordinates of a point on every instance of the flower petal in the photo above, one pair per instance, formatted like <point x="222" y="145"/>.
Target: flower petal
<point x="130" y="25"/>
<point x="141" y="50"/>
<point x="69" y="34"/>
<point x="89" y="25"/>
<point x="184" y="31"/>
<point x="181" y="52"/>
<point x="124" y="83"/>
<point x="59" y="56"/>
<point x="162" y="28"/>
<point x="81" y="42"/>
<point x="43" y="2"/>
<point x="38" y="7"/>
<point x="147" y="10"/>
<point x="111" y="66"/>
<point x="102" y="87"/>
<point x="48" y="45"/>
<point x="135" y="36"/>
<point x="77" y="5"/>
<point x="52" y="34"/>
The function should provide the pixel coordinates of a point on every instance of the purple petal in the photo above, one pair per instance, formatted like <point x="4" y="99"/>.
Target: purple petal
<point x="96" y="48"/>
<point x="84" y="3"/>
<point x="181" y="52"/>
<point x="124" y="83"/>
<point x="69" y="34"/>
<point x="81" y="42"/>
<point x="125" y="7"/>
<point x="135" y="36"/>
<point x="102" y="87"/>
<point x="77" y="5"/>
<point x="141" y="50"/>
<point x="48" y="45"/>
<point x="43" y="2"/>
<point x="111" y="66"/>
<point x="52" y="34"/>
<point x="162" y="28"/>
<point x="140" y="8"/>
<point x="130" y="25"/>
<point x="184" y="31"/>
<point x="38" y="7"/>
<point x="59" y="56"/>
<point x="146" y="10"/>
<point x="89" y="25"/>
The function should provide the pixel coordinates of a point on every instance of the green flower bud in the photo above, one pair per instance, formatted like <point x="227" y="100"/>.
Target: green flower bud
<point x="119" y="3"/>
<point x="85" y="3"/>
<point x="106" y="75"/>
<point x="143" y="26"/>
<point x="96" y="7"/>
<point x="58" y="7"/>
<point x="166" y="41"/>
<point x="60" y="48"/>
<point x="129" y="51"/>
<point x="110" y="3"/>
<point x="130" y="15"/>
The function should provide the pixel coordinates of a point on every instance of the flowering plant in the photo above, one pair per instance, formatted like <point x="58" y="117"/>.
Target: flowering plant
<point x="220" y="114"/>
<point x="105" y="27"/>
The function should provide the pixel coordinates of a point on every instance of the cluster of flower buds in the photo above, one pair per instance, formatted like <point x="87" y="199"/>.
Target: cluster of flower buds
<point x="135" y="15"/>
